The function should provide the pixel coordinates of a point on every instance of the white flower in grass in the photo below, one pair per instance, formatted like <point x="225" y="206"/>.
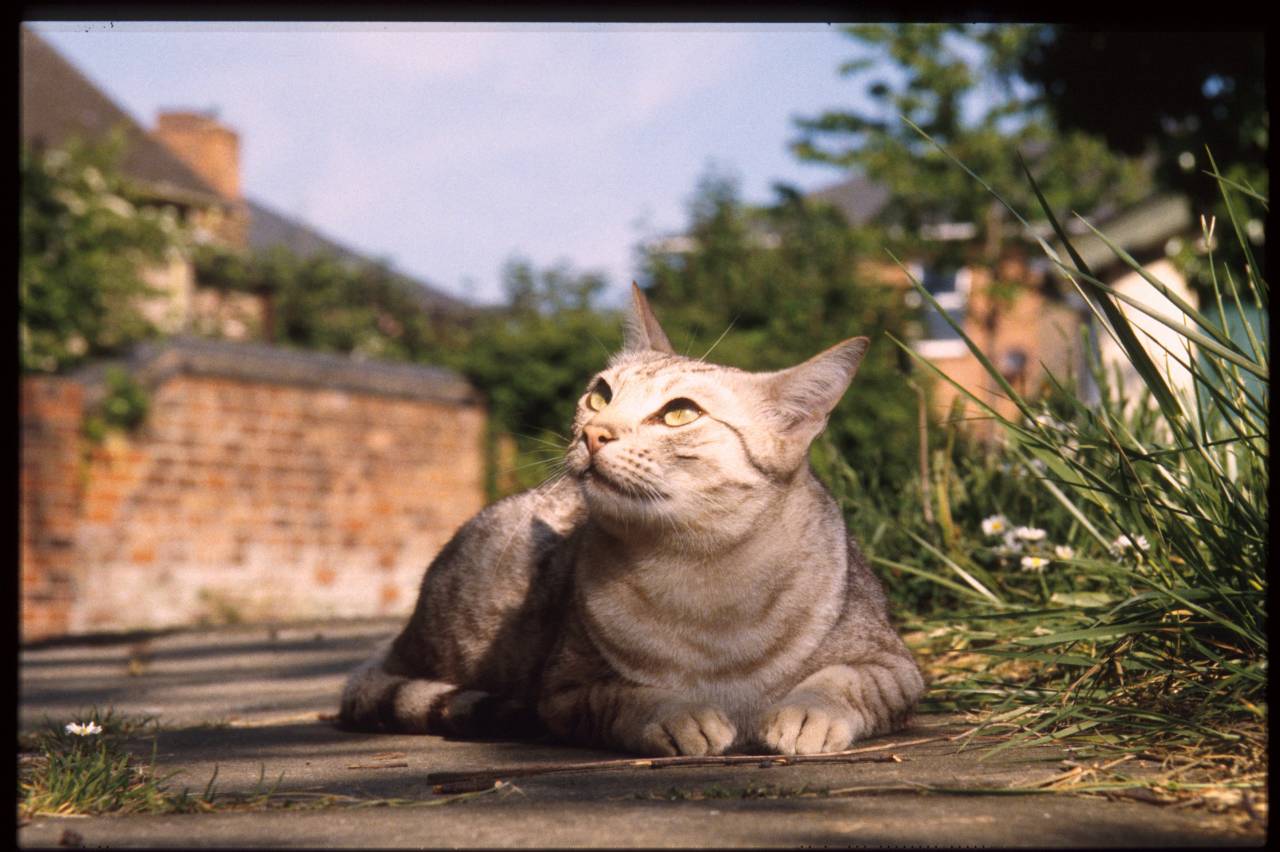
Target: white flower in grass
<point x="994" y="525"/>
<point x="1064" y="551"/>
<point x="1123" y="544"/>
<point x="1030" y="533"/>
<point x="1034" y="563"/>
<point x="1010" y="545"/>
<point x="84" y="730"/>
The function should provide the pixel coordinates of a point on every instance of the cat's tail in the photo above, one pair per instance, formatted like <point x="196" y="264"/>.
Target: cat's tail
<point x="381" y="695"/>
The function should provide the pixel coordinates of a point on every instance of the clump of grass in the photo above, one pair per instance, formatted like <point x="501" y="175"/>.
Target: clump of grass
<point x="63" y="773"/>
<point x="1150" y="635"/>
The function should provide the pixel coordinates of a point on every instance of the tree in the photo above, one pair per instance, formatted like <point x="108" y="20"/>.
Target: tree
<point x="1170" y="95"/>
<point x="85" y="238"/>
<point x="958" y="84"/>
<point x="329" y="304"/>
<point x="533" y="357"/>
<point x="766" y="288"/>
<point x="1172" y="92"/>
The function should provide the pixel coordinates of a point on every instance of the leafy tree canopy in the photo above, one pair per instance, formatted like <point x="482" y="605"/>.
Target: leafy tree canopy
<point x="958" y="84"/>
<point x="781" y="283"/>
<point x="1171" y="92"/>
<point x="85" y="237"/>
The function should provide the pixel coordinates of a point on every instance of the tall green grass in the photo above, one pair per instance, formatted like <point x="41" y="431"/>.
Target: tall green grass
<point x="1150" y="631"/>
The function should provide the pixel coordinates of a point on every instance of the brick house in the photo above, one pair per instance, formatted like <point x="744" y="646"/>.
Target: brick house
<point x="263" y="484"/>
<point x="1023" y="314"/>
<point x="191" y="162"/>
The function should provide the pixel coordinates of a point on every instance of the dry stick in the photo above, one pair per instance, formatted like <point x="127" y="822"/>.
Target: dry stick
<point x="449" y="782"/>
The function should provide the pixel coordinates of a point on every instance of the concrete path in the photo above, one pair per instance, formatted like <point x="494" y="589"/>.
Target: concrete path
<point x="252" y="704"/>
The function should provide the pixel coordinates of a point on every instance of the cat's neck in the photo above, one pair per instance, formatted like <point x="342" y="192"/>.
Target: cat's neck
<point x="800" y="522"/>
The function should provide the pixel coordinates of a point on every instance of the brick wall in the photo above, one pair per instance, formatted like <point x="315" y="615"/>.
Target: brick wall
<point x="50" y="412"/>
<point x="263" y="486"/>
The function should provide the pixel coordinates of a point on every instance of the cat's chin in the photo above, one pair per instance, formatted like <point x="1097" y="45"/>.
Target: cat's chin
<point x="601" y="485"/>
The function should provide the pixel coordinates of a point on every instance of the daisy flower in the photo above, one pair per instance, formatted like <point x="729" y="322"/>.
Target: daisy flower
<point x="1034" y="563"/>
<point x="1123" y="543"/>
<point x="1029" y="533"/>
<point x="84" y="730"/>
<point x="994" y="525"/>
<point x="1064" y="551"/>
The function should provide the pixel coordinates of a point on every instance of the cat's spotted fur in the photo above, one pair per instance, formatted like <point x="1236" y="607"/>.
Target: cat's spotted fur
<point x="683" y="589"/>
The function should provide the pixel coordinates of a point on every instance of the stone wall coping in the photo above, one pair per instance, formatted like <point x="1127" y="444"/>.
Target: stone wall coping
<point x="154" y="362"/>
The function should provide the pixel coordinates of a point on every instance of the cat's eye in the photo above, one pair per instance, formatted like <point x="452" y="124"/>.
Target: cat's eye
<point x="678" y="412"/>
<point x="599" y="396"/>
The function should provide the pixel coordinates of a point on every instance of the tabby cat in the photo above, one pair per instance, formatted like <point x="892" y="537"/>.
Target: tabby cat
<point x="687" y="587"/>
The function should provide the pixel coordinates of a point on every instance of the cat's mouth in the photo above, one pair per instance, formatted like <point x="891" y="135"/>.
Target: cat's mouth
<point x="594" y="475"/>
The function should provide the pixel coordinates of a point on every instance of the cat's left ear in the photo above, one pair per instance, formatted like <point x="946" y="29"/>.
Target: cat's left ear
<point x="643" y="331"/>
<point x="803" y="397"/>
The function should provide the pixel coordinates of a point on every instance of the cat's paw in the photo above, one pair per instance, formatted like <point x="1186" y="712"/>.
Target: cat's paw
<point x="688" y="729"/>
<point x="809" y="727"/>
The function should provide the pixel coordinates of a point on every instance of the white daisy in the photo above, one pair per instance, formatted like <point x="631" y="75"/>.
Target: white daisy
<point x="994" y="525"/>
<point x="1034" y="563"/>
<point x="84" y="730"/>
<point x="1029" y="533"/>
<point x="1064" y="551"/>
<point x="1124" y="543"/>
<point x="1010" y="545"/>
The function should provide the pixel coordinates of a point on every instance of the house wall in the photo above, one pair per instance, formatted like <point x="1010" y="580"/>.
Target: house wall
<point x="1043" y="330"/>
<point x="226" y="314"/>
<point x="1156" y="337"/>
<point x="174" y="283"/>
<point x="242" y="498"/>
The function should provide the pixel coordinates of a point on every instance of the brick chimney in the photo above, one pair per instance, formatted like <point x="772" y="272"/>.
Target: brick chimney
<point x="210" y="148"/>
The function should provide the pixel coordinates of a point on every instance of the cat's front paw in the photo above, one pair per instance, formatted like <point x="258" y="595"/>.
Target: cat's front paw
<point x="807" y="726"/>
<point x="687" y="729"/>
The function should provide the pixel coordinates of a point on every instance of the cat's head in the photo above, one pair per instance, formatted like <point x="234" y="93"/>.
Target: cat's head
<point x="664" y="440"/>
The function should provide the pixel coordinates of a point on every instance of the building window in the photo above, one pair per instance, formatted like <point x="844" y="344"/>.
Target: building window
<point x="950" y="287"/>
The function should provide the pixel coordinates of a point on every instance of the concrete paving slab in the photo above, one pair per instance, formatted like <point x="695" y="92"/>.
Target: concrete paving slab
<point x="251" y="704"/>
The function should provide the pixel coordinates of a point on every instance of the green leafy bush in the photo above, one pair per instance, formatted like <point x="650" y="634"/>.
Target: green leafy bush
<point x="84" y="238"/>
<point x="1152" y="631"/>
<point x="123" y="408"/>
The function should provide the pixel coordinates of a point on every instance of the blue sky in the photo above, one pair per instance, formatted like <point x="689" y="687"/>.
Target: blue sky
<point x="449" y="148"/>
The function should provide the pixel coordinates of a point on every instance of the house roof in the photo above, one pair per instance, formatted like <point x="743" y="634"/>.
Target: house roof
<point x="859" y="198"/>
<point x="59" y="103"/>
<point x="1137" y="228"/>
<point x="269" y="229"/>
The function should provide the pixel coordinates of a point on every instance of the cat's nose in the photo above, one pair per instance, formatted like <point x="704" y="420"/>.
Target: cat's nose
<point x="596" y="437"/>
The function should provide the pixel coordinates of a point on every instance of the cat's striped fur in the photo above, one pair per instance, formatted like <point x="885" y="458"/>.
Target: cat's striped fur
<point x="682" y="590"/>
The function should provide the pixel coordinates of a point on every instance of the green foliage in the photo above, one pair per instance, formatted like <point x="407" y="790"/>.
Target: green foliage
<point x="84" y="238"/>
<point x="764" y="289"/>
<point x="1195" y="90"/>
<point x="327" y="304"/>
<point x="123" y="408"/>
<point x="1153" y="630"/>
<point x="937" y="76"/>
<point x="94" y="773"/>
<point x="533" y="359"/>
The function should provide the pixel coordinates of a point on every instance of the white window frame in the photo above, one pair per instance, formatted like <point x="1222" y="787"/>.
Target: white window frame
<point x="956" y="299"/>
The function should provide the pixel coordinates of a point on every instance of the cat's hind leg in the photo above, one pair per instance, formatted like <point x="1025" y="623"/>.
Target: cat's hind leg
<point x="383" y="695"/>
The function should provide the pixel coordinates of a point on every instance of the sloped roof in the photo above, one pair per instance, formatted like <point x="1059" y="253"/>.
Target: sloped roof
<point x="59" y="103"/>
<point x="270" y="229"/>
<point x="859" y="198"/>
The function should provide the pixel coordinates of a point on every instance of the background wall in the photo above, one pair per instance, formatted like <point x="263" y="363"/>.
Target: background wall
<point x="262" y="485"/>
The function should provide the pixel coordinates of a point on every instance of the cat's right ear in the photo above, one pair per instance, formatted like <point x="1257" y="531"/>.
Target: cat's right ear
<point x="643" y="332"/>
